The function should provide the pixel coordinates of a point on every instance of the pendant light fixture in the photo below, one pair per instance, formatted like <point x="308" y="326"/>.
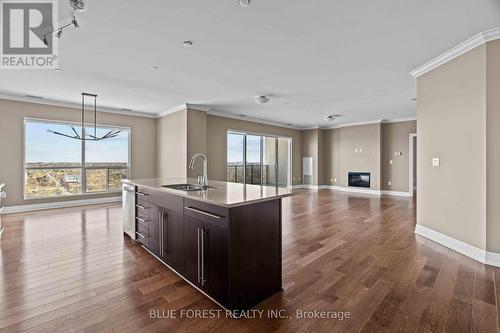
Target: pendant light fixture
<point x="83" y="135"/>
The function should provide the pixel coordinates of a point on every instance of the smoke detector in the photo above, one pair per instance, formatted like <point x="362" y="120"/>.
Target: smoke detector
<point x="244" y="3"/>
<point x="332" y="117"/>
<point x="262" y="99"/>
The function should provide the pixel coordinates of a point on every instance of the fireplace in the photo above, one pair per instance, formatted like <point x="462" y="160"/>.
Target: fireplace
<point x="359" y="179"/>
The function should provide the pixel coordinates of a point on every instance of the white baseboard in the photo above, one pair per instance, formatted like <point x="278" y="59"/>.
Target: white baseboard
<point x="396" y="193"/>
<point x="58" y="204"/>
<point x="468" y="250"/>
<point x="305" y="186"/>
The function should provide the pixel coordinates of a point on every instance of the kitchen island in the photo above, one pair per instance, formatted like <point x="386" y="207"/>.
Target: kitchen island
<point x="224" y="240"/>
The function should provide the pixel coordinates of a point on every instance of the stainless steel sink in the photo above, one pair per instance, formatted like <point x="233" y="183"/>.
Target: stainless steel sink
<point x="187" y="187"/>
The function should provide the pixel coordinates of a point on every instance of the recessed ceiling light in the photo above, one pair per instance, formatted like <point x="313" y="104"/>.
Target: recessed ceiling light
<point x="244" y="3"/>
<point x="187" y="43"/>
<point x="332" y="117"/>
<point x="155" y="68"/>
<point x="413" y="99"/>
<point x="128" y="110"/>
<point x="289" y="124"/>
<point x="262" y="99"/>
<point x="242" y="115"/>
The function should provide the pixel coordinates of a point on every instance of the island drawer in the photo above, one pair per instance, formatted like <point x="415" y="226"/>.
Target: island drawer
<point x="142" y="238"/>
<point x="166" y="200"/>
<point x="206" y="212"/>
<point x="142" y="210"/>
<point x="142" y="227"/>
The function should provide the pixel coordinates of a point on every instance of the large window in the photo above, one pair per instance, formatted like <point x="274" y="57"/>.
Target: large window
<point x="57" y="166"/>
<point x="258" y="159"/>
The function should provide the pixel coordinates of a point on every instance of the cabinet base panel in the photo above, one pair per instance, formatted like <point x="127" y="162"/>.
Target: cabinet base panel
<point x="190" y="283"/>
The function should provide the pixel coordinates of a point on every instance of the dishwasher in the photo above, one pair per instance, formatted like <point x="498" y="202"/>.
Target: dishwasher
<point x="128" y="210"/>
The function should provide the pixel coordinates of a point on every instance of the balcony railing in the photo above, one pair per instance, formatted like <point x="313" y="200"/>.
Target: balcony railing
<point x="253" y="175"/>
<point x="56" y="181"/>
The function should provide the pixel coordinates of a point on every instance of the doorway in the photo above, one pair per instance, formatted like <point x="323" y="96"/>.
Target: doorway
<point x="258" y="159"/>
<point x="412" y="179"/>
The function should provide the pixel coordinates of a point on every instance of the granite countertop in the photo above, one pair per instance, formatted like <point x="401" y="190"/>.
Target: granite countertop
<point x="223" y="194"/>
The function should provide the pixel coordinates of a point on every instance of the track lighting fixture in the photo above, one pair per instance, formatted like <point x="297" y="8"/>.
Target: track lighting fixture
<point x="77" y="6"/>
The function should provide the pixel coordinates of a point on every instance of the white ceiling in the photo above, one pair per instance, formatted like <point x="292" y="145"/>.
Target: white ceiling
<point x="313" y="58"/>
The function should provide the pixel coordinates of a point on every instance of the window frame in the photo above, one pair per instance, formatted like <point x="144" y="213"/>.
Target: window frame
<point x="277" y="137"/>
<point x="83" y="169"/>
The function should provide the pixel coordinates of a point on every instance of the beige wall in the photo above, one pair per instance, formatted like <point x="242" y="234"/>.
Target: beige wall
<point x="395" y="138"/>
<point x="217" y="128"/>
<point x="196" y="139"/>
<point x="493" y="140"/>
<point x="310" y="148"/>
<point x="451" y="125"/>
<point x="143" y="135"/>
<point x="171" y="147"/>
<point x="340" y="157"/>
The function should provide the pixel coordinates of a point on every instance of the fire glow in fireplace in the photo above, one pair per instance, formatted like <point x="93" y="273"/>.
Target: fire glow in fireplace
<point x="359" y="179"/>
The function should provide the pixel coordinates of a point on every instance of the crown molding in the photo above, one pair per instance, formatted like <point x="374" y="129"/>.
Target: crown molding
<point x="457" y="51"/>
<point x="35" y="100"/>
<point x="360" y="123"/>
<point x="398" y="120"/>
<point x="164" y="113"/>
<point x="251" y="119"/>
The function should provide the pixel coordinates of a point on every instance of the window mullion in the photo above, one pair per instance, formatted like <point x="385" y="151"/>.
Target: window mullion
<point x="84" y="170"/>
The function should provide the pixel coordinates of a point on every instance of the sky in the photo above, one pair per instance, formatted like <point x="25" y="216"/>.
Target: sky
<point x="235" y="148"/>
<point x="42" y="146"/>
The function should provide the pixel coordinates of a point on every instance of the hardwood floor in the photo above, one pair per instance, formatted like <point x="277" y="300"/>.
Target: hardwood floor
<point x="73" y="270"/>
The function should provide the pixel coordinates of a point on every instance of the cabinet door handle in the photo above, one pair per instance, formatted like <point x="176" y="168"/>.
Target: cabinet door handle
<point x="203" y="280"/>
<point x="165" y="232"/>
<point x="160" y="232"/>
<point x="140" y="235"/>
<point x="141" y="194"/>
<point x="202" y="212"/>
<point x="141" y="207"/>
<point x="198" y="251"/>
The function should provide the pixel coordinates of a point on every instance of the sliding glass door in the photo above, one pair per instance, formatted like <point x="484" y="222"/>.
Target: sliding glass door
<point x="258" y="159"/>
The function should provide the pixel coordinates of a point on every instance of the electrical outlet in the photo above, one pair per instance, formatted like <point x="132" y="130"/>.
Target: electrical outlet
<point x="360" y="150"/>
<point x="389" y="183"/>
<point x="435" y="161"/>
<point x="334" y="180"/>
<point x="293" y="178"/>
<point x="390" y="161"/>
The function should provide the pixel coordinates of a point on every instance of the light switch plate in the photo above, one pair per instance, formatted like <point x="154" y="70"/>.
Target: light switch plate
<point x="389" y="183"/>
<point x="435" y="161"/>
<point x="390" y="161"/>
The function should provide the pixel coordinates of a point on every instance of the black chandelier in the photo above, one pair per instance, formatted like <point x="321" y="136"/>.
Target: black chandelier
<point x="83" y="135"/>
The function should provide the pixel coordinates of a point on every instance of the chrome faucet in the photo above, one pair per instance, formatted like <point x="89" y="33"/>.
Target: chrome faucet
<point x="204" y="178"/>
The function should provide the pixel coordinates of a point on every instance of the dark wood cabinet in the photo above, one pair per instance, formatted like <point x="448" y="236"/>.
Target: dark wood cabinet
<point x="206" y="257"/>
<point x="231" y="254"/>
<point x="154" y="229"/>
<point x="173" y="242"/>
<point x="192" y="243"/>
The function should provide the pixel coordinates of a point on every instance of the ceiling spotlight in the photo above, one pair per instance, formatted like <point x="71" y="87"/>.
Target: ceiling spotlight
<point x="262" y="99"/>
<point x="244" y="3"/>
<point x="187" y="43"/>
<point x="59" y="34"/>
<point x="332" y="117"/>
